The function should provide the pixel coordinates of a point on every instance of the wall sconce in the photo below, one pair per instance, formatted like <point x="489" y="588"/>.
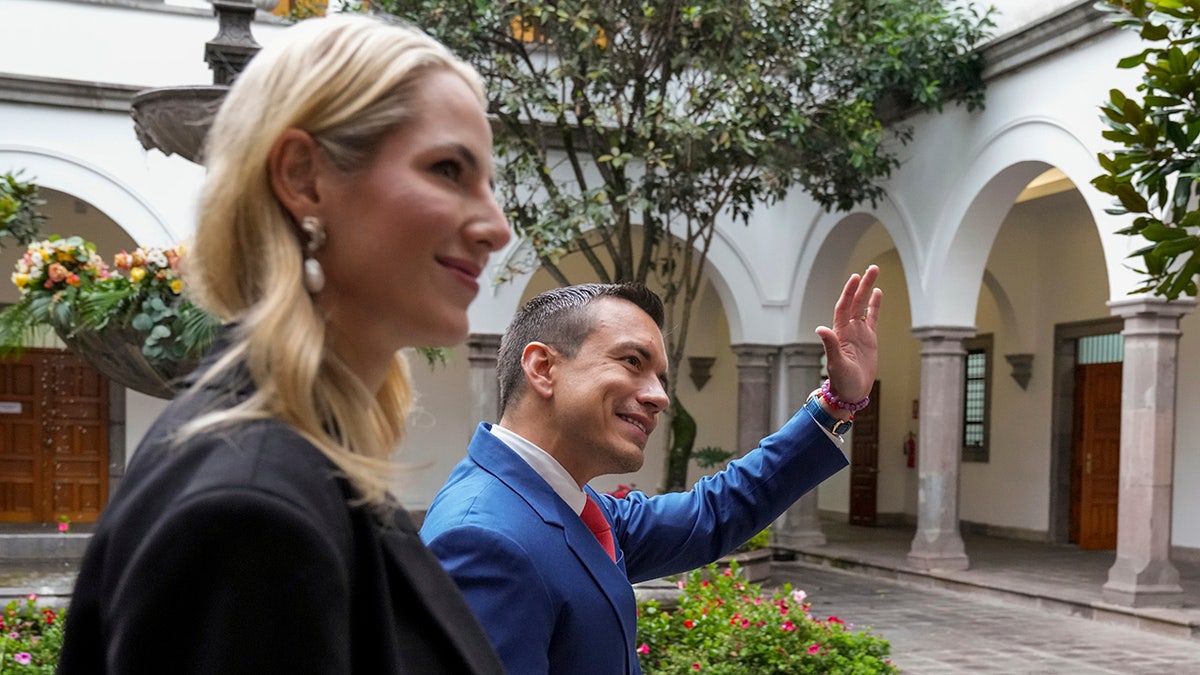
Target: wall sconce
<point x="700" y="369"/>
<point x="1022" y="367"/>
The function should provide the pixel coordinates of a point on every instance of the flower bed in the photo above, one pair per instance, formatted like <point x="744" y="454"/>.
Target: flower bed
<point x="727" y="626"/>
<point x="30" y="637"/>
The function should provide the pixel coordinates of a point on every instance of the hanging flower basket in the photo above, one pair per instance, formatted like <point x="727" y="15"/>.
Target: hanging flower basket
<point x="117" y="353"/>
<point x="130" y="322"/>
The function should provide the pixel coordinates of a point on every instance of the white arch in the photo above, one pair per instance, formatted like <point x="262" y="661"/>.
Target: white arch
<point x="727" y="269"/>
<point x="969" y="220"/>
<point x="91" y="183"/>
<point x="820" y="269"/>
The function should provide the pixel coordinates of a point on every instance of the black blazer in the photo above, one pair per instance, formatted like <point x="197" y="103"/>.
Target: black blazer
<point x="239" y="552"/>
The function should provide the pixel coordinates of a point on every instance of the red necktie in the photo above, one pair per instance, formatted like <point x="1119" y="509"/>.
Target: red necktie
<point x="594" y="518"/>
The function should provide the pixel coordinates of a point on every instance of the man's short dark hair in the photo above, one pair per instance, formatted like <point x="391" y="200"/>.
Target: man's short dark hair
<point x="559" y="318"/>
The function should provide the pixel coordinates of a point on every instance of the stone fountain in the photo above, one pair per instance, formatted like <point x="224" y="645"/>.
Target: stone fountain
<point x="175" y="120"/>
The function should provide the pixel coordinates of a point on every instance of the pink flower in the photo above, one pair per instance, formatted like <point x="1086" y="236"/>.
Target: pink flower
<point x="787" y="626"/>
<point x="63" y="527"/>
<point x="22" y="658"/>
<point x="15" y="635"/>
<point x="57" y="272"/>
<point x="814" y="648"/>
<point x="32" y="597"/>
<point x="798" y="597"/>
<point x="644" y="649"/>
<point x="695" y="666"/>
<point x="834" y="619"/>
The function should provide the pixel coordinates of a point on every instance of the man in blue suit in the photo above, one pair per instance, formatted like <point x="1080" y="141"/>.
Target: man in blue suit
<point x="546" y="562"/>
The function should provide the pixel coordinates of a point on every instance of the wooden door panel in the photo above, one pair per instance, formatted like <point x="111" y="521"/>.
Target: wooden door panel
<point x="1097" y="453"/>
<point x="53" y="438"/>
<point x="20" y="436"/>
<point x="864" y="463"/>
<point x="78" y="449"/>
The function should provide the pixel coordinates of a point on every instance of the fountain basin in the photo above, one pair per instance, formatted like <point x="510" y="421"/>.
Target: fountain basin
<point x="176" y="120"/>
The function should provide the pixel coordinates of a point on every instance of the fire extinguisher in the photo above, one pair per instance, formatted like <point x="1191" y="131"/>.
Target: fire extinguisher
<point x="910" y="449"/>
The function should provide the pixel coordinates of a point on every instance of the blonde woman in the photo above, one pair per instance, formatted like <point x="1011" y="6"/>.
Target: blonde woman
<point x="347" y="213"/>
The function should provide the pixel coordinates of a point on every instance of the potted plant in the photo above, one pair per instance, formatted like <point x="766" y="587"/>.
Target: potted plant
<point x="129" y="320"/>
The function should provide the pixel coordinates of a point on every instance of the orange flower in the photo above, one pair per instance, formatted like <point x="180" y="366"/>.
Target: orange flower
<point x="57" y="272"/>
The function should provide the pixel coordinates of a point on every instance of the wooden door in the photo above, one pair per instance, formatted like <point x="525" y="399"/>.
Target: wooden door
<point x="1096" y="455"/>
<point x="864" y="462"/>
<point x="21" y="483"/>
<point x="54" y="445"/>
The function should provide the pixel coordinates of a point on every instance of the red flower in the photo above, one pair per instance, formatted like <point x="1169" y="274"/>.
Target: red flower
<point x="689" y="624"/>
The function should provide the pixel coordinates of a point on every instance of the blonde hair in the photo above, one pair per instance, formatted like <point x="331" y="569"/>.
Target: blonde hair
<point x="347" y="81"/>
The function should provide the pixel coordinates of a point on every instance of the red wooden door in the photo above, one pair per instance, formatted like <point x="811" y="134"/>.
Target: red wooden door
<point x="54" y="442"/>
<point x="1096" y="456"/>
<point x="21" y="484"/>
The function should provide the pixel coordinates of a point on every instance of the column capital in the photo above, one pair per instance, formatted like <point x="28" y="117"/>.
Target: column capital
<point x="482" y="348"/>
<point x="943" y="340"/>
<point x="751" y="355"/>
<point x="1151" y="316"/>
<point x="943" y="333"/>
<point x="803" y="353"/>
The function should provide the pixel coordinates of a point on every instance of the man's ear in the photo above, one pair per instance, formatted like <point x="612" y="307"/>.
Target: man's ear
<point x="292" y="166"/>
<point x="537" y="360"/>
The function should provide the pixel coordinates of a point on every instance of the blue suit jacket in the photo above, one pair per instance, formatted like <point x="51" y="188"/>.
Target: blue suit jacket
<point x="547" y="594"/>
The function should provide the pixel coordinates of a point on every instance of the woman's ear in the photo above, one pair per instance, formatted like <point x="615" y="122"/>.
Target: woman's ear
<point x="292" y="166"/>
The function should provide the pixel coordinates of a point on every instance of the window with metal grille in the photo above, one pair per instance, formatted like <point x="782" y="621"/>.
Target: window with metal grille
<point x="977" y="387"/>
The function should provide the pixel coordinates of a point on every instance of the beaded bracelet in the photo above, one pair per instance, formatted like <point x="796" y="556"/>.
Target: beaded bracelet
<point x="836" y="402"/>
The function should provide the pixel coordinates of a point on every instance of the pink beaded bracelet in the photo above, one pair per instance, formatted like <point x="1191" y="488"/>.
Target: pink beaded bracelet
<point x="838" y="403"/>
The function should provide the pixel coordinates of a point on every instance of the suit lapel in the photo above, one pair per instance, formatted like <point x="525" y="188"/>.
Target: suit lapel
<point x="493" y="456"/>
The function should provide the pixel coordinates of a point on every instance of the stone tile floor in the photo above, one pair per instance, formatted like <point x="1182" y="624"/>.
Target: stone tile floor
<point x="938" y="632"/>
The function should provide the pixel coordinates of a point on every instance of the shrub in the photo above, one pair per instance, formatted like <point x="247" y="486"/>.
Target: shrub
<point x="30" y="637"/>
<point x="727" y="626"/>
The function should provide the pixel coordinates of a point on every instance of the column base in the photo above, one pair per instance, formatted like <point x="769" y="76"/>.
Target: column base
<point x="1144" y="596"/>
<point x="930" y="562"/>
<point x="938" y="550"/>
<point x="1134" y="583"/>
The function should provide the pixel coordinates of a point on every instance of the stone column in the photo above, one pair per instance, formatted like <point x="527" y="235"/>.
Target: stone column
<point x="754" y="394"/>
<point x="485" y="387"/>
<point x="800" y="525"/>
<point x="1143" y="574"/>
<point x="938" y="545"/>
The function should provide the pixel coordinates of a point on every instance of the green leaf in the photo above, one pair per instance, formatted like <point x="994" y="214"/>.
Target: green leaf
<point x="1130" y="199"/>
<point x="1133" y="61"/>
<point x="1154" y="32"/>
